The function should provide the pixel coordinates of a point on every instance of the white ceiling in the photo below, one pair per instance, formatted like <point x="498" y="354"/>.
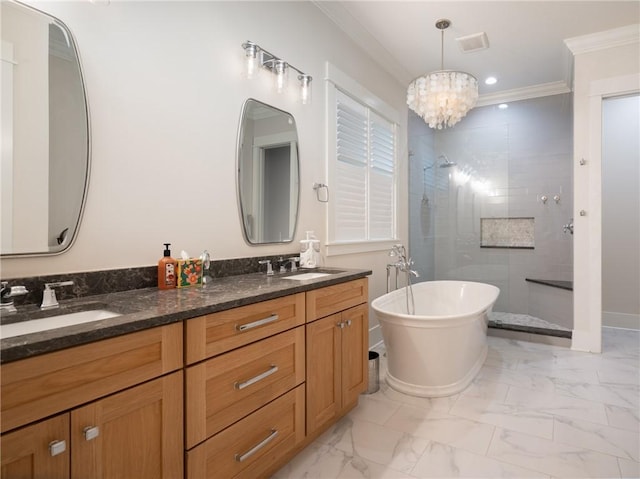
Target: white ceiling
<point x="526" y="39"/>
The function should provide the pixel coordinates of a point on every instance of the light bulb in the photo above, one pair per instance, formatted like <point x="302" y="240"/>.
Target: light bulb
<point x="251" y="59"/>
<point x="305" y="88"/>
<point x="280" y="67"/>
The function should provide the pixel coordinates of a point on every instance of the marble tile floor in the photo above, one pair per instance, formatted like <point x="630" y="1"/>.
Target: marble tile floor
<point x="533" y="411"/>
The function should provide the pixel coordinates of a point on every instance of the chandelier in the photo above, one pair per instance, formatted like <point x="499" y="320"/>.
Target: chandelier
<point x="442" y="98"/>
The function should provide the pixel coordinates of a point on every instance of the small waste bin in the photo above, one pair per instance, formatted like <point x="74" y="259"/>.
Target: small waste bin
<point x="374" y="372"/>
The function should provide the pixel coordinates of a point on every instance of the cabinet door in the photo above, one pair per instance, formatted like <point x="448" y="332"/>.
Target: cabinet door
<point x="324" y="357"/>
<point x="355" y="362"/>
<point x="37" y="451"/>
<point x="137" y="433"/>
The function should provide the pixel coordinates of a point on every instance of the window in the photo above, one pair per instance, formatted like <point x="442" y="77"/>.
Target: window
<point x="362" y="173"/>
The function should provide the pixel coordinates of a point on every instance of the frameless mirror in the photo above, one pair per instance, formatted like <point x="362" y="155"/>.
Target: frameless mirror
<point x="45" y="133"/>
<point x="268" y="173"/>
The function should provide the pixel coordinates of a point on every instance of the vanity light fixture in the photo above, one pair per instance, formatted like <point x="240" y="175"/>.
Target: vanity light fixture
<point x="256" y="56"/>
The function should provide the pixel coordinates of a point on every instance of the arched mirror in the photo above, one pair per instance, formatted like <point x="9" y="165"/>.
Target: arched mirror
<point x="268" y="174"/>
<point x="45" y="133"/>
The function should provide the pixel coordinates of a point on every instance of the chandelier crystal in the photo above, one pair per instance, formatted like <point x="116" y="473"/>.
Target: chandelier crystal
<point x="442" y="98"/>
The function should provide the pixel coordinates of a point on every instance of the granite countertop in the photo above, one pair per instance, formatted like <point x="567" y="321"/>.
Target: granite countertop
<point x="146" y="308"/>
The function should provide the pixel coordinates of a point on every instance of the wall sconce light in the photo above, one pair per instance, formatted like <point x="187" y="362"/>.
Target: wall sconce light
<point x="255" y="57"/>
<point x="305" y="88"/>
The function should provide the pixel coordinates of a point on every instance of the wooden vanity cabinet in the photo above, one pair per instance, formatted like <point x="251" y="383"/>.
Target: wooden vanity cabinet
<point x="245" y="393"/>
<point x="337" y="345"/>
<point x="136" y="433"/>
<point x="118" y="412"/>
<point x="40" y="450"/>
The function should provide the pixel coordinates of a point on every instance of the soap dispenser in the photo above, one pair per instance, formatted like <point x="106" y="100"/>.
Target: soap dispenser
<point x="309" y="251"/>
<point x="167" y="270"/>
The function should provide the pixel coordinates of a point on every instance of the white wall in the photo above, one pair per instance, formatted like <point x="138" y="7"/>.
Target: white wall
<point x="165" y="92"/>
<point x="597" y="73"/>
<point x="621" y="211"/>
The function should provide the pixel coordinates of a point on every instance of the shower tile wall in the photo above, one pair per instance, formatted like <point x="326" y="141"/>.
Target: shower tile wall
<point x="507" y="160"/>
<point x="422" y="197"/>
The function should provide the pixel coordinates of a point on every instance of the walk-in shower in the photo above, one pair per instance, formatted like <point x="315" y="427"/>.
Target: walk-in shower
<point x="500" y="189"/>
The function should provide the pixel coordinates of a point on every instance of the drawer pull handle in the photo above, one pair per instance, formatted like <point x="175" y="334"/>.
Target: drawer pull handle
<point x="255" y="324"/>
<point x="257" y="447"/>
<point x="272" y="369"/>
<point x="91" y="432"/>
<point x="57" y="447"/>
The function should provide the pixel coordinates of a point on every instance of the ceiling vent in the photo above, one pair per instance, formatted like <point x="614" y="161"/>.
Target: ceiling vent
<point x="473" y="43"/>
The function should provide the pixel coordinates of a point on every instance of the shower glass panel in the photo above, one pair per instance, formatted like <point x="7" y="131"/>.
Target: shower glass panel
<point x="511" y="168"/>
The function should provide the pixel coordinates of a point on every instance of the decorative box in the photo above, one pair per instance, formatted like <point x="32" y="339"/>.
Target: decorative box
<point x="189" y="272"/>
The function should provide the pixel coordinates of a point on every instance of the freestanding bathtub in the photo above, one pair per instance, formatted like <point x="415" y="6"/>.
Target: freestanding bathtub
<point x="439" y="350"/>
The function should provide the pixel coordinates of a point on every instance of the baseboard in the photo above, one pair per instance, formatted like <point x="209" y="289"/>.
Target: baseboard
<point x="621" y="320"/>
<point x="375" y="336"/>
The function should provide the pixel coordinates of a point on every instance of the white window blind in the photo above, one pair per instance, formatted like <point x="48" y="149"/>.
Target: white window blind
<point x="364" y="180"/>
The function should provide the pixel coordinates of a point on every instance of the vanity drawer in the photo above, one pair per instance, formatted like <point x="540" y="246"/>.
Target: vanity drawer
<point x="226" y="388"/>
<point x="332" y="299"/>
<point x="253" y="445"/>
<point x="44" y="385"/>
<point x="216" y="333"/>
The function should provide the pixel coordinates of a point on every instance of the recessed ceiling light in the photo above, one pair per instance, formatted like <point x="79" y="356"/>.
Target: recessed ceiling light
<point x="491" y="81"/>
<point x="503" y="106"/>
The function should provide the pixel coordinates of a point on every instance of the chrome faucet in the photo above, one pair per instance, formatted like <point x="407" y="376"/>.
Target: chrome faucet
<point x="269" y="267"/>
<point x="404" y="263"/>
<point x="49" y="300"/>
<point x="294" y="263"/>
<point x="7" y="294"/>
<point x="568" y="228"/>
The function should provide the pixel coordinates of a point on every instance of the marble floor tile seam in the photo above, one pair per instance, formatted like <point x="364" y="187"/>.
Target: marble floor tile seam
<point x="457" y="471"/>
<point x="552" y="458"/>
<point x="621" y="395"/>
<point x="626" y="446"/>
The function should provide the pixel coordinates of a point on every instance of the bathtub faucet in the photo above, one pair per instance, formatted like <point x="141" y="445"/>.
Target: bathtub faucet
<point x="404" y="263"/>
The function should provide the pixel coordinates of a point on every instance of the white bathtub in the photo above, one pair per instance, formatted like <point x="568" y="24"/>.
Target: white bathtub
<point x="439" y="350"/>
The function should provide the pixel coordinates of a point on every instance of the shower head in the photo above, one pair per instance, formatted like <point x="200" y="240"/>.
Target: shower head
<point x="447" y="163"/>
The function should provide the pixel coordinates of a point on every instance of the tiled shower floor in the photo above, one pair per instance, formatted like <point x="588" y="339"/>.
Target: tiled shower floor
<point x="523" y="320"/>
<point x="534" y="410"/>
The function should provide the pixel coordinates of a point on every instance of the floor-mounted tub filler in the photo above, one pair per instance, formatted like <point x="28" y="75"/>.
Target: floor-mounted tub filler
<point x="438" y="350"/>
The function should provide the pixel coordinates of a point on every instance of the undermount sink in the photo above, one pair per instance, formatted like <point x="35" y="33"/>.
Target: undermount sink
<point x="318" y="273"/>
<point x="54" y="322"/>
<point x="303" y="276"/>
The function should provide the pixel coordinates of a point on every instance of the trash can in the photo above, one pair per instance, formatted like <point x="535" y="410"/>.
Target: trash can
<point x="374" y="372"/>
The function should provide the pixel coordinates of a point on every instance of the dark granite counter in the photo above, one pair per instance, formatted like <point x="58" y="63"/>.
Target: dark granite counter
<point x="146" y="308"/>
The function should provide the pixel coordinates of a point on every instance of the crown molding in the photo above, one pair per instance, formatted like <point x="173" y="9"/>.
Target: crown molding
<point x="603" y="40"/>
<point x="351" y="27"/>
<point x="535" y="91"/>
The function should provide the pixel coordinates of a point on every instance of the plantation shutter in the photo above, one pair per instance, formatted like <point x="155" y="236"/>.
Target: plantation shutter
<point x="352" y="159"/>
<point x="365" y="173"/>
<point x="381" y="178"/>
